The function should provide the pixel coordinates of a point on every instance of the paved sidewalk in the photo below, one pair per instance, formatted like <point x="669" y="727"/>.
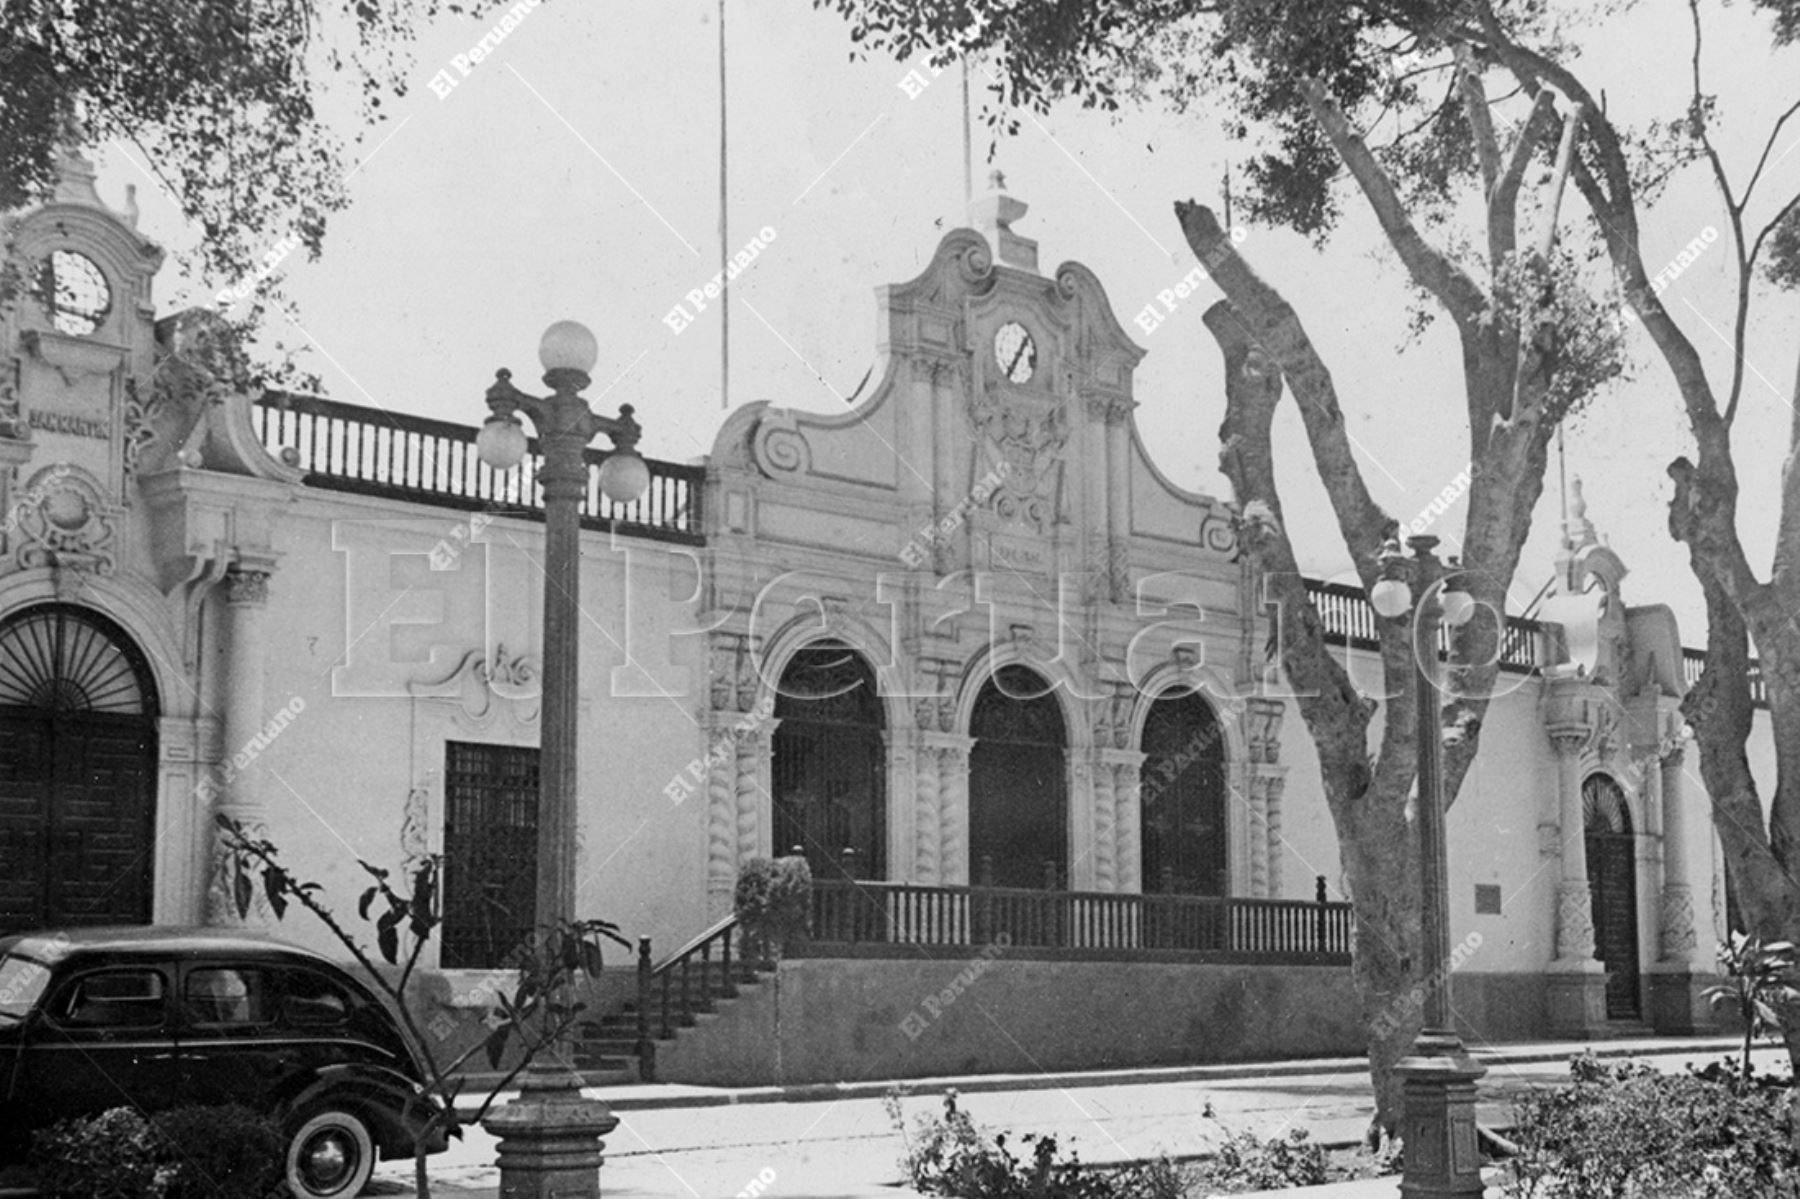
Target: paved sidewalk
<point x="838" y="1143"/>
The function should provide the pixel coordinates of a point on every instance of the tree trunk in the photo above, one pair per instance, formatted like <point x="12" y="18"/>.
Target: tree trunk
<point x="1377" y="842"/>
<point x="1265" y="346"/>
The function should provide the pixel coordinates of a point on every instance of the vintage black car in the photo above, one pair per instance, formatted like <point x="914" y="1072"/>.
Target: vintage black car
<point x="97" y="1018"/>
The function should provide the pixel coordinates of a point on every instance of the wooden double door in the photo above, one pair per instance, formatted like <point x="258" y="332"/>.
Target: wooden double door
<point x="77" y="773"/>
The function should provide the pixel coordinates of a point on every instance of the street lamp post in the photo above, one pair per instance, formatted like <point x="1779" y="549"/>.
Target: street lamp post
<point x="1442" y="1154"/>
<point x="550" y="1136"/>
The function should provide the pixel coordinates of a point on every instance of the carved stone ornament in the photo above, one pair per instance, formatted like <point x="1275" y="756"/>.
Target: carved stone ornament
<point x="482" y="686"/>
<point x="935" y="713"/>
<point x="1676" y="941"/>
<point x="779" y="448"/>
<point x="1218" y="533"/>
<point x="1027" y="434"/>
<point x="1112" y="720"/>
<point x="12" y="419"/>
<point x="1262" y="720"/>
<point x="1574" y="922"/>
<point x="247" y="588"/>
<point x="415" y="818"/>
<point x="62" y="519"/>
<point x="140" y="422"/>
<point x="735" y="678"/>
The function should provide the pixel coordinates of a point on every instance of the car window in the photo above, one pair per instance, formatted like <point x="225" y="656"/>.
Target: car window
<point x="112" y="999"/>
<point x="22" y="981"/>
<point x="312" y="1000"/>
<point x="226" y="995"/>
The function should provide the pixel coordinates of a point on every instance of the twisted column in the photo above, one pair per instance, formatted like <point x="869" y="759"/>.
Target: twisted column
<point x="1128" y="853"/>
<point x="927" y="823"/>
<point x="1105" y="808"/>
<point x="749" y="792"/>
<point x="721" y="821"/>
<point x="953" y="813"/>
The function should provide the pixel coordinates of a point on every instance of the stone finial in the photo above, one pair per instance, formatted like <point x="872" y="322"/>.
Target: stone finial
<point x="1579" y="530"/>
<point x="75" y="179"/>
<point x="993" y="214"/>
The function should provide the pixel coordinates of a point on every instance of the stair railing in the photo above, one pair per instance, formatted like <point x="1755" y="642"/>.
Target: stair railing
<point x="678" y="1001"/>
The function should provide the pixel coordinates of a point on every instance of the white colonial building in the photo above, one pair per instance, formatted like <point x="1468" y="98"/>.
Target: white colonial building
<point x="964" y="647"/>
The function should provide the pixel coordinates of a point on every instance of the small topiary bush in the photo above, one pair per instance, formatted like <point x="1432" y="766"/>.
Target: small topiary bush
<point x="774" y="904"/>
<point x="1625" y="1131"/>
<point x="226" y="1152"/>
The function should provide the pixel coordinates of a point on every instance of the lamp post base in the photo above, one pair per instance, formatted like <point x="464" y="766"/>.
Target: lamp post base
<point x="550" y="1146"/>
<point x="1442" y="1154"/>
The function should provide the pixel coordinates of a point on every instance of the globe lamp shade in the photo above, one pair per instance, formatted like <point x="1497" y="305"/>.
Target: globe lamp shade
<point x="1458" y="608"/>
<point x="624" y="477"/>
<point x="570" y="346"/>
<point x="501" y="442"/>
<point x="1391" y="598"/>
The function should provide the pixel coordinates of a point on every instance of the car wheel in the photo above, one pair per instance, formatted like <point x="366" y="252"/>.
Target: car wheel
<point x="330" y="1155"/>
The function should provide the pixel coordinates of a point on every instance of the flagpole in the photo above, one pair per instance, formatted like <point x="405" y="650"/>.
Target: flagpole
<point x="968" y="168"/>
<point x="724" y="242"/>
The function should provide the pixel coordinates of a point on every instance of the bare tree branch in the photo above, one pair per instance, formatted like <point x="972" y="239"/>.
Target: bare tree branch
<point x="1503" y="195"/>
<point x="1277" y="330"/>
<point x="1429" y="268"/>
<point x="1481" y="121"/>
<point x="1763" y="159"/>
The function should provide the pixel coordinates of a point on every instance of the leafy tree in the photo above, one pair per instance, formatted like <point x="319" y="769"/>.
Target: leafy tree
<point x="1466" y="189"/>
<point x="536" y="1017"/>
<point x="1761" y="839"/>
<point x="219" y="100"/>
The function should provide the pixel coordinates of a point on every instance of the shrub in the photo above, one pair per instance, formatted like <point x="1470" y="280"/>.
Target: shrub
<point x="109" y="1156"/>
<point x="774" y="904"/>
<point x="1625" y="1131"/>
<point x="1246" y="1162"/>
<point x="953" y="1156"/>
<point x="225" y="1152"/>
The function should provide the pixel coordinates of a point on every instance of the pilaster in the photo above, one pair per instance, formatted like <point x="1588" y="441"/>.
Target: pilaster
<point x="237" y="789"/>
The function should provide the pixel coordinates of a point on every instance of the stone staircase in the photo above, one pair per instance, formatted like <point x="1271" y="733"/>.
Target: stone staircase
<point x="686" y="991"/>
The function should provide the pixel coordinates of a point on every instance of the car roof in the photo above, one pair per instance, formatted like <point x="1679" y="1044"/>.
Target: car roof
<point x="55" y="945"/>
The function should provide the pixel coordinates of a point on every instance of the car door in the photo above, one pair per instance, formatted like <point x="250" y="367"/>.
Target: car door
<point x="231" y="1050"/>
<point x="103" y="1038"/>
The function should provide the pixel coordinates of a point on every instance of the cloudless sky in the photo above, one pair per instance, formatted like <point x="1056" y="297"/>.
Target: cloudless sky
<point x="574" y="173"/>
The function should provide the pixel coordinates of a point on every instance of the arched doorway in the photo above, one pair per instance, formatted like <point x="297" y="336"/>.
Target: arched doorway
<point x="77" y="771"/>
<point x="1018" y="795"/>
<point x="828" y="768"/>
<point x="1183" y="796"/>
<point x="1612" y="880"/>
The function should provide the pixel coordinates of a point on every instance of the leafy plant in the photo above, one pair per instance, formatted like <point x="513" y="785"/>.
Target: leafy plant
<point x="773" y="901"/>
<point x="1246" y="1162"/>
<point x="194" y="1152"/>
<point x="1625" y="1131"/>
<point x="543" y="1007"/>
<point x="224" y="1152"/>
<point x="949" y="1154"/>
<point x="109" y="1156"/>
<point x="1757" y="986"/>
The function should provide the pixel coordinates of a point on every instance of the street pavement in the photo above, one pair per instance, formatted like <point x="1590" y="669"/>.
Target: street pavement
<point x="838" y="1142"/>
